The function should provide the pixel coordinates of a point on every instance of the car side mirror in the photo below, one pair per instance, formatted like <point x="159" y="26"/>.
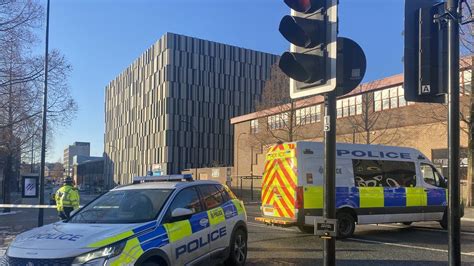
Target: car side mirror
<point x="180" y="214"/>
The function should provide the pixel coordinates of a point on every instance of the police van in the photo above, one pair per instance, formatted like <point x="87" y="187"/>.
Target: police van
<point x="374" y="184"/>
<point x="149" y="223"/>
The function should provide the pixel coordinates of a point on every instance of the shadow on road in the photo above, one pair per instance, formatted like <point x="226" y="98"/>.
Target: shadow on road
<point x="300" y="261"/>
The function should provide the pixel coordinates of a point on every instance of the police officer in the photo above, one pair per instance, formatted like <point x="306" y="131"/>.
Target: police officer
<point x="67" y="199"/>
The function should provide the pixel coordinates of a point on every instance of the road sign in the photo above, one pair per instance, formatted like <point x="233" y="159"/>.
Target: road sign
<point x="29" y="186"/>
<point x="325" y="228"/>
<point x="351" y="65"/>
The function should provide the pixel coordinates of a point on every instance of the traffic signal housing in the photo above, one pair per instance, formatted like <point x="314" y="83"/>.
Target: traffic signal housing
<point x="425" y="55"/>
<point x="312" y="31"/>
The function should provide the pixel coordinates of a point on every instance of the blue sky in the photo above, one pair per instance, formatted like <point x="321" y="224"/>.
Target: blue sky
<point x="100" y="38"/>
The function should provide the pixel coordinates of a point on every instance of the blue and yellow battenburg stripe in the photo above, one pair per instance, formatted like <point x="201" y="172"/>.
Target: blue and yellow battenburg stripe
<point x="150" y="235"/>
<point x="377" y="197"/>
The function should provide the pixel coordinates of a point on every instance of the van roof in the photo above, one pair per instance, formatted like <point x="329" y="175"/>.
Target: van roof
<point x="363" y="150"/>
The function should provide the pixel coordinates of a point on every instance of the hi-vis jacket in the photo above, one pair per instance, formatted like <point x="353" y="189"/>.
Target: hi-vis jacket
<point x="67" y="196"/>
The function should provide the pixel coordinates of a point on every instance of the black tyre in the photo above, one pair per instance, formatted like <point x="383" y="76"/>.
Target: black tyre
<point x="407" y="223"/>
<point x="238" y="249"/>
<point x="306" y="229"/>
<point x="346" y="225"/>
<point x="444" y="221"/>
<point x="154" y="261"/>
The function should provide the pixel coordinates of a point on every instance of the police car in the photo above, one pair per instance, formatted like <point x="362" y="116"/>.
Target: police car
<point x="149" y="223"/>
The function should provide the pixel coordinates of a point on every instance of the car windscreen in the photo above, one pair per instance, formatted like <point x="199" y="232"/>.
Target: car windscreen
<point x="123" y="206"/>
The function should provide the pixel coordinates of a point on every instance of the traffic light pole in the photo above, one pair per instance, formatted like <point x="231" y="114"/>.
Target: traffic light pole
<point x="329" y="210"/>
<point x="454" y="223"/>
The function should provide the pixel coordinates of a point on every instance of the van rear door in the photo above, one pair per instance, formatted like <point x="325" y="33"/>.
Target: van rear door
<point x="279" y="183"/>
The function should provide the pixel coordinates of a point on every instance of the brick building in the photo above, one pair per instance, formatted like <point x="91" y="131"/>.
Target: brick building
<point x="376" y="112"/>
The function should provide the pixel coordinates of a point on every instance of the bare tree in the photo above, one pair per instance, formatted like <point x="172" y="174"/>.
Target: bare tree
<point x="21" y="84"/>
<point x="366" y="120"/>
<point x="280" y="110"/>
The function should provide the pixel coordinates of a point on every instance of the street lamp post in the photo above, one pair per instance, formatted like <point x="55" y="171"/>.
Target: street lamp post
<point x="251" y="173"/>
<point x="44" y="118"/>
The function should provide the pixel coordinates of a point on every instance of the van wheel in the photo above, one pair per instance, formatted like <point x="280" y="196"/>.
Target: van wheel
<point x="307" y="229"/>
<point x="444" y="221"/>
<point x="346" y="225"/>
<point x="238" y="249"/>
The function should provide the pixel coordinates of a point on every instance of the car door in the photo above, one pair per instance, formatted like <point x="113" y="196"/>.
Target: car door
<point x="188" y="237"/>
<point x="435" y="188"/>
<point x="219" y="231"/>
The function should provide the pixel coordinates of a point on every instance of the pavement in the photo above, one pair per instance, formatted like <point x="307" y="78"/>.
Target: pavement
<point x="468" y="214"/>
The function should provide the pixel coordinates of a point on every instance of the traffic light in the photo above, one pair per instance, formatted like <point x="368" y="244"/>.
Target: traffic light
<point x="425" y="57"/>
<point x="312" y="31"/>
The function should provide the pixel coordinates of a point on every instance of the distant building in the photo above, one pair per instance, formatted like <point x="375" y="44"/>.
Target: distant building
<point x="89" y="174"/>
<point x="170" y="109"/>
<point x="55" y="171"/>
<point x="78" y="148"/>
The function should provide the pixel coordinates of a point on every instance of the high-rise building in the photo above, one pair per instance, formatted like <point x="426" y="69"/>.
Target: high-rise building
<point x="170" y="110"/>
<point x="77" y="148"/>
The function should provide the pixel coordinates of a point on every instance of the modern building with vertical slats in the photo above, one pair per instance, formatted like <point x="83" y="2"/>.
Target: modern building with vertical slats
<point x="170" y="110"/>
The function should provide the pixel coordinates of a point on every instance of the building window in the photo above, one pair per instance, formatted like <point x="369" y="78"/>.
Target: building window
<point x="349" y="106"/>
<point x="308" y="115"/>
<point x="465" y="82"/>
<point x="389" y="98"/>
<point x="277" y="121"/>
<point x="254" y="126"/>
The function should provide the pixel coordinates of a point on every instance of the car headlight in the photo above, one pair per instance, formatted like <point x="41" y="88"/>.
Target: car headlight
<point x="103" y="253"/>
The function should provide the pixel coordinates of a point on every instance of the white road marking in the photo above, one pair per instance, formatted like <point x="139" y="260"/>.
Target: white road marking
<point x="272" y="227"/>
<point x="424" y="229"/>
<point x="406" y="246"/>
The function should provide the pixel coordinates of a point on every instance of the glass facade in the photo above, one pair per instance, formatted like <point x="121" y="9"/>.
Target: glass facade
<point x="349" y="106"/>
<point x="389" y="98"/>
<point x="308" y="115"/>
<point x="254" y="126"/>
<point x="277" y="121"/>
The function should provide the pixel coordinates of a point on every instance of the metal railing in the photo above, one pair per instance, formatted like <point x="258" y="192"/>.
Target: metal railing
<point x="248" y="188"/>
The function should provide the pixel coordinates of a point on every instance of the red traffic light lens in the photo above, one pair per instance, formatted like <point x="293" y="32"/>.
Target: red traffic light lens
<point x="305" y="6"/>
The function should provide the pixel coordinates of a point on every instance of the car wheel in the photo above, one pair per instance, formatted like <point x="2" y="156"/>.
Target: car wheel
<point x="154" y="262"/>
<point x="407" y="223"/>
<point x="306" y="229"/>
<point x="346" y="225"/>
<point x="238" y="249"/>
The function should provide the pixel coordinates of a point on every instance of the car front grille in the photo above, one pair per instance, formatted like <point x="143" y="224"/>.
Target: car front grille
<point x="34" y="262"/>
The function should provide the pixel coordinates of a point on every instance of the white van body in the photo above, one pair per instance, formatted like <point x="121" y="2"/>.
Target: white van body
<point x="374" y="184"/>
